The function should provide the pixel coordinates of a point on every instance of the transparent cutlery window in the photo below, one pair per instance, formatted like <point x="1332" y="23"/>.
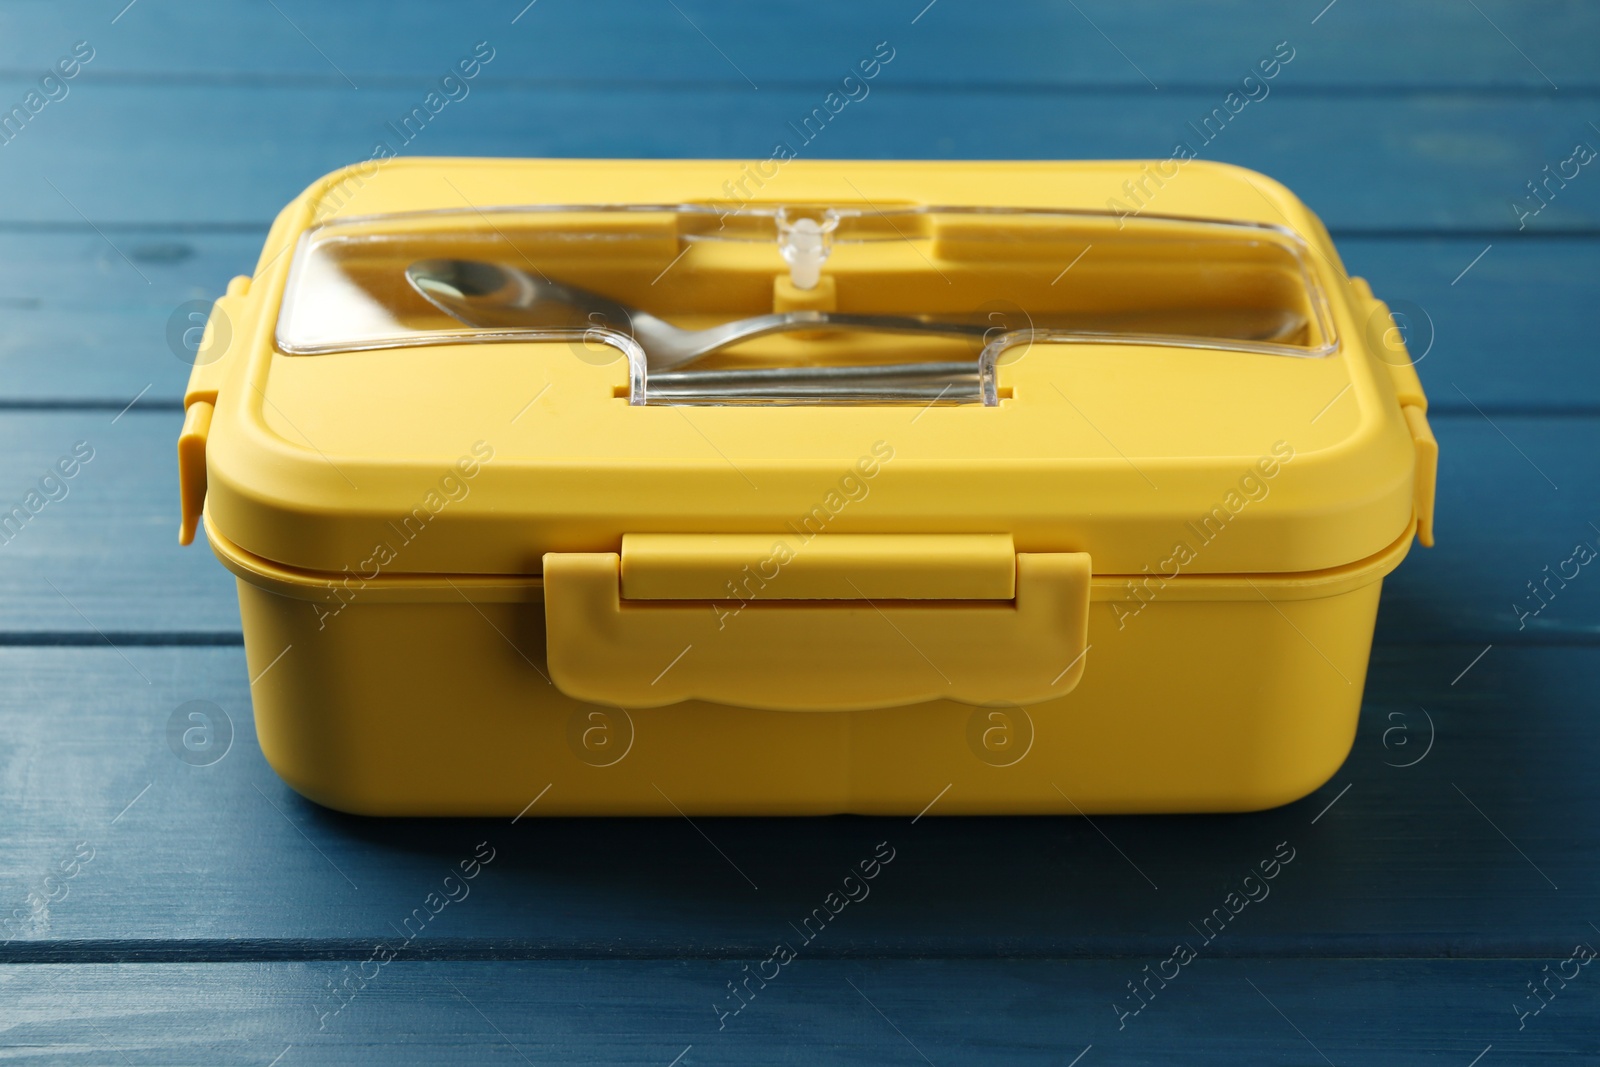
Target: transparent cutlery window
<point x="805" y="303"/>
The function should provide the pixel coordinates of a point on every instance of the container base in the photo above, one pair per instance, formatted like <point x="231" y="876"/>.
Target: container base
<point x="431" y="697"/>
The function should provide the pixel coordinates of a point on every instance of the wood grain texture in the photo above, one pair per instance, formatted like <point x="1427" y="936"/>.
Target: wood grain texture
<point x="229" y="154"/>
<point x="1099" y="46"/>
<point x="1217" y="1012"/>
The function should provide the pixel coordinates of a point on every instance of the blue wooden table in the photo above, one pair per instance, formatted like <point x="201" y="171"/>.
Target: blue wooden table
<point x="168" y="907"/>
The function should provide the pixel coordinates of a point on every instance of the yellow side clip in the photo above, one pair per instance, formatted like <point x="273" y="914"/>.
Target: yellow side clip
<point x="1387" y="340"/>
<point x="199" y="403"/>
<point x="192" y="467"/>
<point x="1427" y="475"/>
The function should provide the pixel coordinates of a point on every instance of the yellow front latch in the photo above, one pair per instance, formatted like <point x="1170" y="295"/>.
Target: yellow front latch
<point x="834" y="623"/>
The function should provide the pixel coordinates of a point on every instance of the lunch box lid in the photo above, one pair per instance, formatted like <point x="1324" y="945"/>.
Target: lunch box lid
<point x="1121" y="402"/>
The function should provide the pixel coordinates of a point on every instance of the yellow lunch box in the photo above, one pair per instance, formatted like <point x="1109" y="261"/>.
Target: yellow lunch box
<point x="578" y="487"/>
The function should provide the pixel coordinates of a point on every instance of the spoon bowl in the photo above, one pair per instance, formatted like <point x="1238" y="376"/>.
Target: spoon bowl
<point x="489" y="296"/>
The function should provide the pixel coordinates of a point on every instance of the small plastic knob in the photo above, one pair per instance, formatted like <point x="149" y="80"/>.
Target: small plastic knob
<point x="805" y="244"/>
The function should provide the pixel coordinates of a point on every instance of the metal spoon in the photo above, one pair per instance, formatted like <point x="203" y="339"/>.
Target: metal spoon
<point x="494" y="296"/>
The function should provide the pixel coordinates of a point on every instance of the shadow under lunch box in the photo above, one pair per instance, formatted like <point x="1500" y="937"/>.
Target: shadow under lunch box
<point x="1041" y="488"/>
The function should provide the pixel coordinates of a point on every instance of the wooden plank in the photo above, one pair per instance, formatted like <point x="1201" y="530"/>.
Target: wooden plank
<point x="78" y="325"/>
<point x="1458" y="854"/>
<point x="1413" y="162"/>
<point x="1498" y="324"/>
<point x="1216" y="1012"/>
<point x="1513" y="508"/>
<point x="1100" y="46"/>
<point x="106" y="557"/>
<point x="103" y="556"/>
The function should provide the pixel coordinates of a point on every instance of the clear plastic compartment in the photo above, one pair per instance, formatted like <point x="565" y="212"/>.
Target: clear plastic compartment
<point x="803" y="303"/>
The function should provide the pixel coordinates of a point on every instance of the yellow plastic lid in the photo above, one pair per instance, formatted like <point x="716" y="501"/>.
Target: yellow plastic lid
<point x="1181" y="382"/>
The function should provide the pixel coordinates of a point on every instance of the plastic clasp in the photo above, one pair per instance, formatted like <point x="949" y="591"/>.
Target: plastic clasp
<point x="1387" y="340"/>
<point x="885" y="620"/>
<point x="1427" y="472"/>
<point x="199" y="403"/>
